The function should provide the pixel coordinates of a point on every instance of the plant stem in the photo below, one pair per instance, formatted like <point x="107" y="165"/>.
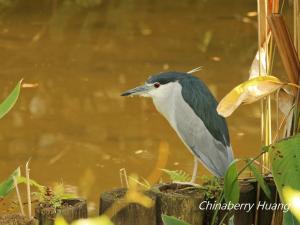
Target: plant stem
<point x="221" y="198"/>
<point x="224" y="217"/>
<point x="28" y="188"/>
<point x="19" y="196"/>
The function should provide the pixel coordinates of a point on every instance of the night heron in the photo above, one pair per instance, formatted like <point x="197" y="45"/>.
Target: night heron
<point x="186" y="102"/>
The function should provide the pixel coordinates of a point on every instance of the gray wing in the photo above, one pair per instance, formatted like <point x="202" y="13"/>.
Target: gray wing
<point x="200" y="99"/>
<point x="214" y="153"/>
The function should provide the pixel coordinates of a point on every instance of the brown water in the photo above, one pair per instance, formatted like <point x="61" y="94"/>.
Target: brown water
<point x="75" y="127"/>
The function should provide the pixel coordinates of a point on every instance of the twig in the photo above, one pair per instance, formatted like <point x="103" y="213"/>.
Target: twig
<point x="123" y="173"/>
<point x="19" y="196"/>
<point x="259" y="164"/>
<point x="28" y="188"/>
<point x="281" y="124"/>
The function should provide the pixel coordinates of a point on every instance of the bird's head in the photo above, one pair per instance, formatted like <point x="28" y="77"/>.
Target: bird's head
<point x="161" y="85"/>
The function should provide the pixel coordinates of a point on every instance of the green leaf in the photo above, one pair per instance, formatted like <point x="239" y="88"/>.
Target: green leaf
<point x="171" y="220"/>
<point x="231" y="184"/>
<point x="10" y="100"/>
<point x="177" y="175"/>
<point x="7" y="185"/>
<point x="33" y="183"/>
<point x="231" y="220"/>
<point x="285" y="164"/>
<point x="260" y="179"/>
<point x="289" y="219"/>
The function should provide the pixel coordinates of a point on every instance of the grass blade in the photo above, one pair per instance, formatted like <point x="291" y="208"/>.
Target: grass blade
<point x="7" y="185"/>
<point x="10" y="100"/>
<point x="231" y="185"/>
<point x="171" y="220"/>
<point x="259" y="179"/>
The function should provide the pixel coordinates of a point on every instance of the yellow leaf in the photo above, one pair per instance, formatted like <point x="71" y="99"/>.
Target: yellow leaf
<point x="102" y="220"/>
<point x="60" y="221"/>
<point x="248" y="92"/>
<point x="292" y="198"/>
<point x="133" y="196"/>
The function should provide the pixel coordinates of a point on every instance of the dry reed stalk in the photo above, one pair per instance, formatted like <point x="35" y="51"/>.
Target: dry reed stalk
<point x="287" y="51"/>
<point x="123" y="174"/>
<point x="296" y="26"/>
<point x="266" y="125"/>
<point x="264" y="8"/>
<point x="19" y="196"/>
<point x="27" y="171"/>
<point x="285" y="46"/>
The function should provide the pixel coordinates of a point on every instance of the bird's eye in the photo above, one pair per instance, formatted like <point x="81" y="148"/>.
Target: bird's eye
<point x="156" y="85"/>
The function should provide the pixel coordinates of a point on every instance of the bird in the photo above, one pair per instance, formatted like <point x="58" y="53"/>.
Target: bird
<point x="190" y="108"/>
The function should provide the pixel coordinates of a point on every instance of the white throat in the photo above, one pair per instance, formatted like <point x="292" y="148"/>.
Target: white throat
<point x="164" y="99"/>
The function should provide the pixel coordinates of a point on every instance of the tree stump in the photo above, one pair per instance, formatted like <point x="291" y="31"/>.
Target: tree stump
<point x="71" y="209"/>
<point x="131" y="214"/>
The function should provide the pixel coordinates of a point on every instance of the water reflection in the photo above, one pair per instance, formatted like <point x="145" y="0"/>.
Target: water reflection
<point x="83" y="54"/>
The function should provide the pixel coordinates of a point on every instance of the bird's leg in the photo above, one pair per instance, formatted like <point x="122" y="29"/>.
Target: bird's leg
<point x="194" y="176"/>
<point x="195" y="170"/>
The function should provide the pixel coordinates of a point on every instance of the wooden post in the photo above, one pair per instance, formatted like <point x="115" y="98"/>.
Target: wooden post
<point x="132" y="214"/>
<point x="265" y="217"/>
<point x="181" y="201"/>
<point x="72" y="209"/>
<point x="247" y="195"/>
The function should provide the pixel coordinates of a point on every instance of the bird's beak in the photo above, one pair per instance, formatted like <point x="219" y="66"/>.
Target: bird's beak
<point x="140" y="90"/>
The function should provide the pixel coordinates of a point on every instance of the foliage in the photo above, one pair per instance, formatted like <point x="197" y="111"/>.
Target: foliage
<point x="22" y="180"/>
<point x="289" y="219"/>
<point x="143" y="183"/>
<point x="292" y="198"/>
<point x="102" y="220"/>
<point x="259" y="178"/>
<point x="10" y="100"/>
<point x="212" y="186"/>
<point x="231" y="185"/>
<point x="171" y="220"/>
<point x="50" y="196"/>
<point x="7" y="185"/>
<point x="53" y="196"/>
<point x="285" y="161"/>
<point x="177" y="175"/>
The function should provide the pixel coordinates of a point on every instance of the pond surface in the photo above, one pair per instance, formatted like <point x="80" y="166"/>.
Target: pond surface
<point x="75" y="127"/>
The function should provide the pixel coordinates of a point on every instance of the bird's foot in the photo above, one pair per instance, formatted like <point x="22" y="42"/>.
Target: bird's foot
<point x="191" y="183"/>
